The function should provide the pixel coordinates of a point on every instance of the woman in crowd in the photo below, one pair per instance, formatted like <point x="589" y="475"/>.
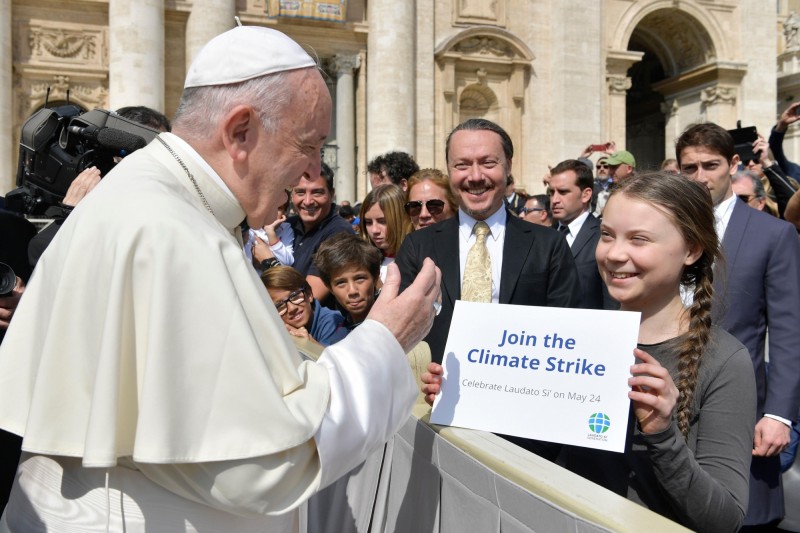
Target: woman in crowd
<point x="302" y="315"/>
<point x="692" y="394"/>
<point x="429" y="198"/>
<point x="384" y="223"/>
<point x="350" y="268"/>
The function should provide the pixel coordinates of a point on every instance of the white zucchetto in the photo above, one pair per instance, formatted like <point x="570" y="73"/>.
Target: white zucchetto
<point x="243" y="53"/>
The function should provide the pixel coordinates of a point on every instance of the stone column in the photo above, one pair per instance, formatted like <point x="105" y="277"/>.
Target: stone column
<point x="6" y="100"/>
<point x="618" y="82"/>
<point x="344" y="65"/>
<point x="208" y="19"/>
<point x="719" y="105"/>
<point x="136" y="53"/>
<point x="390" y="77"/>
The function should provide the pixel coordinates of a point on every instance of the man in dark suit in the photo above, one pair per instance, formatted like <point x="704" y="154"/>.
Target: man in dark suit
<point x="570" y="192"/>
<point x="530" y="264"/>
<point x="514" y="201"/>
<point x="757" y="288"/>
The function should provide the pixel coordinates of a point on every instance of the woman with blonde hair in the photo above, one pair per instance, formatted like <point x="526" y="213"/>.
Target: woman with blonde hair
<point x="384" y="222"/>
<point x="429" y="198"/>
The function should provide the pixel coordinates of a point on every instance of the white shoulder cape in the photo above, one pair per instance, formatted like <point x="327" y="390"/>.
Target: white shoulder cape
<point x="144" y="332"/>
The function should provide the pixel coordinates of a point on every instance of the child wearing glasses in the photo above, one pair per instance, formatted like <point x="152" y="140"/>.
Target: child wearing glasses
<point x="384" y="223"/>
<point x="429" y="198"/>
<point x="302" y="315"/>
<point x="350" y="268"/>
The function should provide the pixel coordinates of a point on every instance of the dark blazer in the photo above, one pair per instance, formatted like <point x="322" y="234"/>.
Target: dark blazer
<point x="538" y="269"/>
<point x="759" y="288"/>
<point x="594" y="293"/>
<point x="518" y="203"/>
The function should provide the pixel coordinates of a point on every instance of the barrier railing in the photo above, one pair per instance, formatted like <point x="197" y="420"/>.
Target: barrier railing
<point x="445" y="479"/>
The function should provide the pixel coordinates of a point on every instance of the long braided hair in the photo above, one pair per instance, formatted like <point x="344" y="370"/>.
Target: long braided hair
<point x="688" y="205"/>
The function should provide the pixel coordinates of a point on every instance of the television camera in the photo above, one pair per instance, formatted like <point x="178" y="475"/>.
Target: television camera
<point x="57" y="144"/>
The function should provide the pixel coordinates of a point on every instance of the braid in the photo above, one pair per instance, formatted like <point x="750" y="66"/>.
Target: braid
<point x="693" y="346"/>
<point x="688" y="204"/>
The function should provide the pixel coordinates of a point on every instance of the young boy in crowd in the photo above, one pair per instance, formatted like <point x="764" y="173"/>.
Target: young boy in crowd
<point x="302" y="315"/>
<point x="350" y="268"/>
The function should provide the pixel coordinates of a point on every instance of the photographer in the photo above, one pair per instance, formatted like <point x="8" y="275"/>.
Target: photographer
<point x="781" y="186"/>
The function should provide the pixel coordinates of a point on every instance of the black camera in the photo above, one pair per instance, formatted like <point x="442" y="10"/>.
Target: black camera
<point x="57" y="144"/>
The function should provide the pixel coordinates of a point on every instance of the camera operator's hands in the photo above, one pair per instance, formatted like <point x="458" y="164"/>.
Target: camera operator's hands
<point x="761" y="149"/>
<point x="81" y="186"/>
<point x="787" y="117"/>
<point x="8" y="304"/>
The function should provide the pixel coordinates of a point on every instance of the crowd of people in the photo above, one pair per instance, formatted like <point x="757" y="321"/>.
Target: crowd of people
<point x="149" y="357"/>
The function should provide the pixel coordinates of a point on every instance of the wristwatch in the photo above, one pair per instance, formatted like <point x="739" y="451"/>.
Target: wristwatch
<point x="268" y="263"/>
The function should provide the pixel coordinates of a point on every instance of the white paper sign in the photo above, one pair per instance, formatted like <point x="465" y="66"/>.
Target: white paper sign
<point x="544" y="373"/>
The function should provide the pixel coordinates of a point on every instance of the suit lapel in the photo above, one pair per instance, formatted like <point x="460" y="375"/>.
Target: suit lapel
<point x="446" y="254"/>
<point x="516" y="247"/>
<point x="584" y="235"/>
<point x="734" y="232"/>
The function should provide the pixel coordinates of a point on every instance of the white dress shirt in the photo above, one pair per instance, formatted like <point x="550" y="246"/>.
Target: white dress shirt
<point x="575" y="226"/>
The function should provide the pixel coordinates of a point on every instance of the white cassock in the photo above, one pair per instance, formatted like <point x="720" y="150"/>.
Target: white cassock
<point x="154" y="382"/>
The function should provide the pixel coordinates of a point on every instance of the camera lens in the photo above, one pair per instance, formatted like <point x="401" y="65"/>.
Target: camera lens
<point x="8" y="280"/>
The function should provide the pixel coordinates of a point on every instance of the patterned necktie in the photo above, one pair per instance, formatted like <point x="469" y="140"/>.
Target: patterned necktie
<point x="477" y="285"/>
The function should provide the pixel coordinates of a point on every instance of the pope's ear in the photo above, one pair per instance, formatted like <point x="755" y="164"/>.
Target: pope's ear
<point x="239" y="131"/>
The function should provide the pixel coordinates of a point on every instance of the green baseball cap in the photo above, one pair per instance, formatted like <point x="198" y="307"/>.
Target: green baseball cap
<point x="622" y="157"/>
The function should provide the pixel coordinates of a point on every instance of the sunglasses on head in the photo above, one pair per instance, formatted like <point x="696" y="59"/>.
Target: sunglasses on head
<point x="434" y="207"/>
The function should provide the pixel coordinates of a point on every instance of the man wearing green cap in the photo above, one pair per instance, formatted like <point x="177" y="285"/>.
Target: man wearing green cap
<point x="621" y="165"/>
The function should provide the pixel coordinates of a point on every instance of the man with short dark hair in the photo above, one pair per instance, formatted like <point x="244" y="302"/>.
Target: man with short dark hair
<point x="748" y="188"/>
<point x="757" y="289"/>
<point x="529" y="264"/>
<point x="316" y="220"/>
<point x="570" y="200"/>
<point x="514" y="200"/>
<point x="537" y="210"/>
<point x="393" y="167"/>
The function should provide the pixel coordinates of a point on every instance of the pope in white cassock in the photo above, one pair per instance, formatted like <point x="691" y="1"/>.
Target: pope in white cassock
<point x="149" y="374"/>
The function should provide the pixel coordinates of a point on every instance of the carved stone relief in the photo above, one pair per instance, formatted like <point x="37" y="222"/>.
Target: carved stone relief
<point x="480" y="11"/>
<point x="718" y="95"/>
<point x="618" y="84"/>
<point x="486" y="46"/>
<point x="48" y="44"/>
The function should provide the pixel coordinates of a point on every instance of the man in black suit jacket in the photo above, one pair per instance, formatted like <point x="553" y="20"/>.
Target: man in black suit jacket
<point x="757" y="288"/>
<point x="570" y="191"/>
<point x="531" y="265"/>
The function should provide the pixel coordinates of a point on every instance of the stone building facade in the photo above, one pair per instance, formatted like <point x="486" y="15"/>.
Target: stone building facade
<point x="558" y="75"/>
